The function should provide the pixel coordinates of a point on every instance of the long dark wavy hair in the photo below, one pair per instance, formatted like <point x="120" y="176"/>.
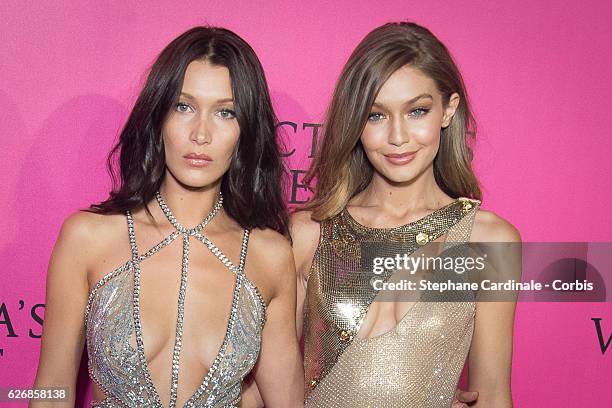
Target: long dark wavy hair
<point x="253" y="187"/>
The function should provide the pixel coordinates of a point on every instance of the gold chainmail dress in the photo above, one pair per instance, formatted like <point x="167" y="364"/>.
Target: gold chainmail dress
<point x="418" y="362"/>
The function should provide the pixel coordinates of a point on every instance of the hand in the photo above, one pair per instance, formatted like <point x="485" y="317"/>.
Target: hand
<point x="462" y="397"/>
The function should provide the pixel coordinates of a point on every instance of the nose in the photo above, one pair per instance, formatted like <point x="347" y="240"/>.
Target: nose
<point x="201" y="132"/>
<point x="399" y="132"/>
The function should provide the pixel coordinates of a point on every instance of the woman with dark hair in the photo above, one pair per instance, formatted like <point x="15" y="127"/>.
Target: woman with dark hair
<point x="394" y="171"/>
<point x="184" y="313"/>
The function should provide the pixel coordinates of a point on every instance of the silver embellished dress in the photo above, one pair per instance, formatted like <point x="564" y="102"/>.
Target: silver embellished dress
<point x="113" y="317"/>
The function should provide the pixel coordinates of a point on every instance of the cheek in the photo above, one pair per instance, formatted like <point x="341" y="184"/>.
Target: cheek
<point x="430" y="129"/>
<point x="172" y="142"/>
<point x="373" y="138"/>
<point x="427" y="135"/>
<point x="228" y="136"/>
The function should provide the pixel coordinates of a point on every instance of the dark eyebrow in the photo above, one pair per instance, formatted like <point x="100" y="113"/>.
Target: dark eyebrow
<point x="191" y="97"/>
<point x="187" y="96"/>
<point x="413" y="100"/>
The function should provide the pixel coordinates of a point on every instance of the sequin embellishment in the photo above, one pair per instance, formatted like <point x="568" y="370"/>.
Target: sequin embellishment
<point x="112" y="318"/>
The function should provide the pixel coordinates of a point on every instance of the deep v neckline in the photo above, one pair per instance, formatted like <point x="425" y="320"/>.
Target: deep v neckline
<point x="404" y="317"/>
<point x="239" y="276"/>
<point x="408" y="227"/>
<point x="215" y="363"/>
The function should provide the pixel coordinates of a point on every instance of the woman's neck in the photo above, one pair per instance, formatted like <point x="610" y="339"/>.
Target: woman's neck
<point x="189" y="206"/>
<point x="421" y="193"/>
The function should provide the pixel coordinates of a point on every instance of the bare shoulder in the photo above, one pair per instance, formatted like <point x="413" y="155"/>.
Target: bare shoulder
<point x="90" y="227"/>
<point x="490" y="227"/>
<point x="83" y="227"/>
<point x="269" y="261"/>
<point x="270" y="247"/>
<point x="270" y="252"/>
<point x="90" y="234"/>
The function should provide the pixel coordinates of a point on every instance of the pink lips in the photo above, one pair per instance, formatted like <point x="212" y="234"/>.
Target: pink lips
<point x="198" y="160"/>
<point x="400" y="158"/>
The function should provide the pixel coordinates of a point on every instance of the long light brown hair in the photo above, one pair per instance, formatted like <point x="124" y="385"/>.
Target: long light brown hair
<point x="341" y="168"/>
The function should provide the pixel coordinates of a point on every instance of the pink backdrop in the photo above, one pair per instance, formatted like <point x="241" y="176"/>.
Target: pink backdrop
<point x="538" y="75"/>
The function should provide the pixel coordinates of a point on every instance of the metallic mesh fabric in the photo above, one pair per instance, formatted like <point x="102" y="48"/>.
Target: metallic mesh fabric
<point x="417" y="363"/>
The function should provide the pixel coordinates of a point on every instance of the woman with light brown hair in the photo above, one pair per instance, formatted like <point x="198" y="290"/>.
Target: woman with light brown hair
<point x="394" y="167"/>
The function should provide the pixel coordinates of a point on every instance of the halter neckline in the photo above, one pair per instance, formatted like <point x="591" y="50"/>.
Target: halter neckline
<point x="180" y="227"/>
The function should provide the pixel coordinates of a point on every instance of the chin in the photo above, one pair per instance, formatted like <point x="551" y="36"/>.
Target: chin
<point x="195" y="183"/>
<point x="399" y="174"/>
<point x="395" y="179"/>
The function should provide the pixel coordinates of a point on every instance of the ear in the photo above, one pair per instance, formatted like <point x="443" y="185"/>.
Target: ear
<point x="450" y="109"/>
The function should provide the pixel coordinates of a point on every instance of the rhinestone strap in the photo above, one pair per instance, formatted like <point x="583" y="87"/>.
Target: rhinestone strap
<point x="178" y="340"/>
<point x="170" y="238"/>
<point x="136" y="259"/>
<point x="243" y="250"/>
<point x="179" y="321"/>
<point x="136" y="312"/>
<point x="191" y="231"/>
<point x="222" y="257"/>
<point x="226" y="339"/>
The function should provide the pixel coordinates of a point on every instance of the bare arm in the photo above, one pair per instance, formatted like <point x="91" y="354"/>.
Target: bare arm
<point x="279" y="372"/>
<point x="490" y="358"/>
<point x="66" y="298"/>
<point x="305" y="234"/>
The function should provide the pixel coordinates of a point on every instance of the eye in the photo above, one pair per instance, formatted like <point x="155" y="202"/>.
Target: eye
<point x="226" y="113"/>
<point x="184" y="107"/>
<point x="375" y="116"/>
<point x="418" y="112"/>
